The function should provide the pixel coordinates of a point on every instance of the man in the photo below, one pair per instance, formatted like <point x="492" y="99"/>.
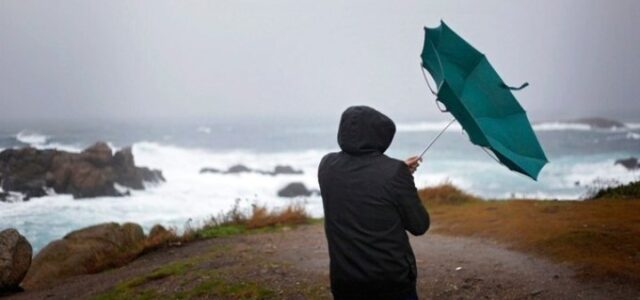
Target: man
<point x="369" y="201"/>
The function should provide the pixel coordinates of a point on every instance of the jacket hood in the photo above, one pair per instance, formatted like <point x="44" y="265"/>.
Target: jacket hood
<point x="365" y="130"/>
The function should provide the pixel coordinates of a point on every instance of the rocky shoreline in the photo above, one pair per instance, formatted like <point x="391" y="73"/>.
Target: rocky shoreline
<point x="28" y="172"/>
<point x="85" y="251"/>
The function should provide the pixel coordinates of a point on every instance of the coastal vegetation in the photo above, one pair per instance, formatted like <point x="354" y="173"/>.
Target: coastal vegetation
<point x="600" y="237"/>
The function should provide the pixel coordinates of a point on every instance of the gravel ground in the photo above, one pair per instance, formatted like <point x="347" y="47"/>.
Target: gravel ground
<point x="294" y="264"/>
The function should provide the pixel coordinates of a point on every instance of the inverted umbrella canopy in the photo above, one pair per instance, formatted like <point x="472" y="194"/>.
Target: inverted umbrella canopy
<point x="481" y="102"/>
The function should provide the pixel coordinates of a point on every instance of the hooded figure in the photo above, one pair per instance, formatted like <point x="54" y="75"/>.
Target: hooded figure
<point x="370" y="201"/>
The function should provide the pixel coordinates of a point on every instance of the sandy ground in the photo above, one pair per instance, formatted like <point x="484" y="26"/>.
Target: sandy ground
<point x="449" y="268"/>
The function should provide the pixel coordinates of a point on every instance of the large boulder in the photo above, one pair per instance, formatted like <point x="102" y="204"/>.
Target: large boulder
<point x="99" y="154"/>
<point x="127" y="174"/>
<point x="23" y="170"/>
<point x="210" y="170"/>
<point x="600" y="123"/>
<point x="278" y="170"/>
<point x="15" y="259"/>
<point x="295" y="189"/>
<point x="85" y="251"/>
<point x="160" y="236"/>
<point x="630" y="163"/>
<point x="236" y="169"/>
<point x="91" y="173"/>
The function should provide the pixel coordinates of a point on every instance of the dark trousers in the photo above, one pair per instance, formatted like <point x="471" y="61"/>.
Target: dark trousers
<point x="412" y="296"/>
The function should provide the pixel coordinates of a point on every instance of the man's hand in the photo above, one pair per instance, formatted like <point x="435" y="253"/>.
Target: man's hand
<point x="413" y="162"/>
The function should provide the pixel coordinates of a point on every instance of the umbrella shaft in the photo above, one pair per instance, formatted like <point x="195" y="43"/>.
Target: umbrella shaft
<point x="433" y="141"/>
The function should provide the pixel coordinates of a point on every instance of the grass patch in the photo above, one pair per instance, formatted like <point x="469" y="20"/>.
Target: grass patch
<point x="445" y="193"/>
<point x="221" y="230"/>
<point x="619" y="191"/>
<point x="221" y="288"/>
<point x="191" y="278"/>
<point x="127" y="289"/>
<point x="602" y="237"/>
<point x="260" y="219"/>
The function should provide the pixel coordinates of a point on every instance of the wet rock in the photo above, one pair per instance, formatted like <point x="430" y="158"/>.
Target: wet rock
<point x="159" y="236"/>
<point x="157" y="230"/>
<point x="285" y="170"/>
<point x="295" y="189"/>
<point x="630" y="163"/>
<point x="85" y="251"/>
<point x="210" y="170"/>
<point x="15" y="259"/>
<point x="91" y="173"/>
<point x="127" y="174"/>
<point x="236" y="169"/>
<point x="599" y="123"/>
<point x="99" y="154"/>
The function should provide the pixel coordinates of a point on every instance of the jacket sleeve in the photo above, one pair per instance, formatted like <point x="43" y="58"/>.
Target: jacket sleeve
<point x="415" y="217"/>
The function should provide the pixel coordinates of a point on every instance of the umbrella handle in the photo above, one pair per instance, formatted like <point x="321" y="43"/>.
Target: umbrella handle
<point x="439" y="107"/>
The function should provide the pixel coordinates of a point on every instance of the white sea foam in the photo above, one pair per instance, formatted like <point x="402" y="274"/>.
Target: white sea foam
<point x="189" y="195"/>
<point x="633" y="135"/>
<point x="31" y="137"/>
<point x="186" y="195"/>
<point x="633" y="126"/>
<point x="559" y="126"/>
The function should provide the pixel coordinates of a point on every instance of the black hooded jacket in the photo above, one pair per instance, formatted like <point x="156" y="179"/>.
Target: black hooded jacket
<point x="369" y="201"/>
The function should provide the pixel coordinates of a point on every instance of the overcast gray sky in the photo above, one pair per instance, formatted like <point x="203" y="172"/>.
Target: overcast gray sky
<point x="310" y="59"/>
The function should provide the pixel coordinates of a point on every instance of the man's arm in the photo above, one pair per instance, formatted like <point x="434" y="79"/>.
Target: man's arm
<point x="415" y="217"/>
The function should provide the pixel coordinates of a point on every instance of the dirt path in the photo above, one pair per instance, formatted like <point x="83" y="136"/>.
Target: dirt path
<point x="293" y="264"/>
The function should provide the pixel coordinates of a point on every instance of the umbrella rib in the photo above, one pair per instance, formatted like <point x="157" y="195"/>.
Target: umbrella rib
<point x="484" y="134"/>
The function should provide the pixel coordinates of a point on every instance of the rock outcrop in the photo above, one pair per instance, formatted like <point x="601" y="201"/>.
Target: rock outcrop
<point x="88" y="250"/>
<point x="15" y="259"/>
<point x="296" y="189"/>
<point x="237" y="169"/>
<point x="91" y="173"/>
<point x="599" y="123"/>
<point x="281" y="170"/>
<point x="630" y="163"/>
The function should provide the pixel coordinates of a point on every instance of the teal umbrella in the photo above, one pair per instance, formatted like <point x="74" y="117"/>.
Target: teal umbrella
<point x="473" y="92"/>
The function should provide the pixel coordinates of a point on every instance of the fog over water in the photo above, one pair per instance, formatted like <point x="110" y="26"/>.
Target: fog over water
<point x="303" y="59"/>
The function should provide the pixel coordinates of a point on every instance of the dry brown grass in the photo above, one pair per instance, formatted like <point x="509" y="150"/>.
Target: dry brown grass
<point x="446" y="193"/>
<point x="290" y="215"/>
<point x="237" y="221"/>
<point x="600" y="237"/>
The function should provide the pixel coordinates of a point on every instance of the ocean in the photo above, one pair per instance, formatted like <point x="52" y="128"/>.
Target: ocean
<point x="580" y="157"/>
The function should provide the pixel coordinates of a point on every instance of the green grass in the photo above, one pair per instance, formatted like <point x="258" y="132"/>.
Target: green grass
<point x="213" y="286"/>
<point x="220" y="230"/>
<point x="221" y="288"/>
<point x="126" y="289"/>
<point x="183" y="276"/>
<point x="235" y="229"/>
<point x="625" y="191"/>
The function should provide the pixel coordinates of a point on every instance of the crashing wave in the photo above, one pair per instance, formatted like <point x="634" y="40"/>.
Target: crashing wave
<point x="633" y="135"/>
<point x="31" y="137"/>
<point x="561" y="126"/>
